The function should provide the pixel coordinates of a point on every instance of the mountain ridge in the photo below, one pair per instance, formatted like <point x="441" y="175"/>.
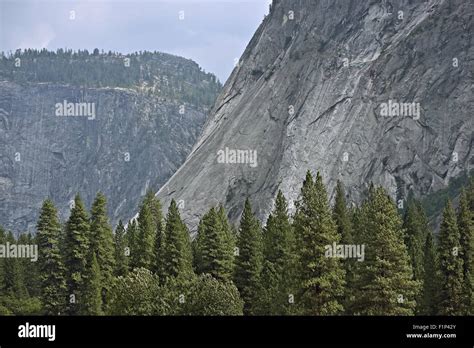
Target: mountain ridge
<point x="295" y="99"/>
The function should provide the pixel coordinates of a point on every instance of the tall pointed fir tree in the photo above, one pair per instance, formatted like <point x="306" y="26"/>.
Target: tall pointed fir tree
<point x="429" y="298"/>
<point x="196" y="246"/>
<point x="342" y="218"/>
<point x="50" y="262"/>
<point x="159" y="236"/>
<point x="132" y="238"/>
<point x="93" y="287"/>
<point x="416" y="229"/>
<point x="320" y="276"/>
<point x="76" y="251"/>
<point x="229" y="239"/>
<point x="451" y="264"/>
<point x="384" y="282"/>
<point x="31" y="274"/>
<point x="14" y="282"/>
<point x="212" y="247"/>
<point x="466" y="242"/>
<point x="122" y="250"/>
<point x="177" y="254"/>
<point x="248" y="261"/>
<point x="277" y="283"/>
<point x="102" y="244"/>
<point x="146" y="233"/>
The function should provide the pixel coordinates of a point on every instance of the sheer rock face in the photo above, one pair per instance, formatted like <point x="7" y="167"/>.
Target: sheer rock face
<point x="136" y="141"/>
<point x="309" y="94"/>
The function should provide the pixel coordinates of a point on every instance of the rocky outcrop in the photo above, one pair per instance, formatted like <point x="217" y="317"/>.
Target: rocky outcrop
<point x="135" y="141"/>
<point x="362" y="91"/>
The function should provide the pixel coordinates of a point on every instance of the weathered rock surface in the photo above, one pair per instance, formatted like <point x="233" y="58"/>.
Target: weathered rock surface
<point x="137" y="141"/>
<point x="307" y="94"/>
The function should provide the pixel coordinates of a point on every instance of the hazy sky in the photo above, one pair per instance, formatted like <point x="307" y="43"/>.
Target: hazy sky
<point x="213" y="32"/>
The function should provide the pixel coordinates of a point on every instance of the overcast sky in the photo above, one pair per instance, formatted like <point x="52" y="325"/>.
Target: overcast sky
<point x="213" y="32"/>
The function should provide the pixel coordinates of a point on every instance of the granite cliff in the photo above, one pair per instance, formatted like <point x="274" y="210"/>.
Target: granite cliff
<point x="146" y="118"/>
<point x="362" y="91"/>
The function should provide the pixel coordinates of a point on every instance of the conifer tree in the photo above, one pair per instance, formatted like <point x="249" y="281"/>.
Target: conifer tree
<point x="384" y="284"/>
<point x="121" y="254"/>
<point x="466" y="242"/>
<point x="416" y="229"/>
<point x="102" y="244"/>
<point x="76" y="245"/>
<point x="212" y="246"/>
<point x="159" y="239"/>
<point x="248" y="262"/>
<point x="321" y="278"/>
<point x="146" y="233"/>
<point x="50" y="262"/>
<point x="278" y="266"/>
<point x="428" y="302"/>
<point x="177" y="254"/>
<point x="196" y="247"/>
<point x="342" y="219"/>
<point x="451" y="264"/>
<point x="132" y="235"/>
<point x="93" y="287"/>
<point x="229" y="238"/>
<point x="341" y="215"/>
<point x="14" y="282"/>
<point x="415" y="225"/>
<point x="31" y="274"/>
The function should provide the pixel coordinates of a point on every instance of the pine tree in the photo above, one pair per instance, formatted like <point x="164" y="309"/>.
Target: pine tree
<point x="14" y="282"/>
<point x="76" y="245"/>
<point x="147" y="233"/>
<point x="102" y="244"/>
<point x="121" y="254"/>
<point x="50" y="263"/>
<point x="416" y="229"/>
<point x="341" y="215"/>
<point x="30" y="270"/>
<point x="229" y="239"/>
<point x="415" y="225"/>
<point x="321" y="278"/>
<point x="384" y="282"/>
<point x="278" y="251"/>
<point x="466" y="252"/>
<point x="177" y="254"/>
<point x="342" y="218"/>
<point x="159" y="237"/>
<point x="248" y="262"/>
<point x="428" y="302"/>
<point x="93" y="287"/>
<point x="196" y="247"/>
<point x="212" y="246"/>
<point x="451" y="264"/>
<point x="132" y="237"/>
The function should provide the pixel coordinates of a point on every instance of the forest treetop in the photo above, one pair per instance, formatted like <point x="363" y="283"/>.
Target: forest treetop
<point x="163" y="74"/>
